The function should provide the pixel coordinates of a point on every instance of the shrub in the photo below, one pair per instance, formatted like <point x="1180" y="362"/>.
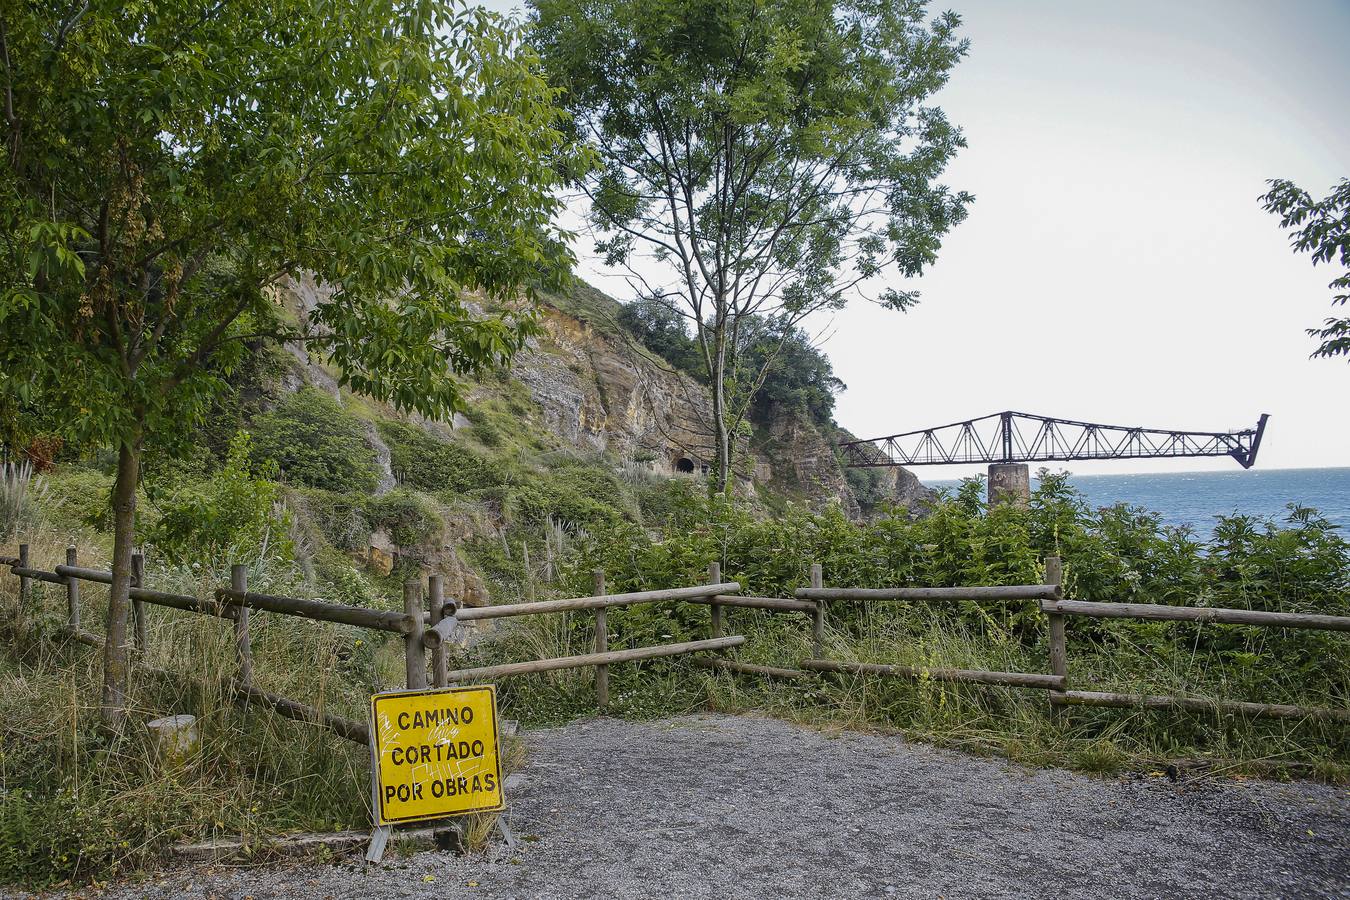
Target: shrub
<point x="315" y="442"/>
<point x="408" y="518"/>
<point x="231" y="515"/>
<point x="340" y="517"/>
<point x="422" y="461"/>
<point x="79" y="498"/>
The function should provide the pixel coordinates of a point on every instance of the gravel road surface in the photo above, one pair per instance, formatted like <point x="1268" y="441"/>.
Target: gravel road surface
<point x="733" y="806"/>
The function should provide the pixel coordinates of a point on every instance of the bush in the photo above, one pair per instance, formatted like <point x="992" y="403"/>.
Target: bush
<point x="230" y="516"/>
<point x="408" y="518"/>
<point x="315" y="442"/>
<point x="422" y="461"/>
<point x="340" y="517"/>
<point x="79" y="498"/>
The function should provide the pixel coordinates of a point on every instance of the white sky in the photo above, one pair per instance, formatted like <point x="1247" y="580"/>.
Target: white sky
<point x="1116" y="265"/>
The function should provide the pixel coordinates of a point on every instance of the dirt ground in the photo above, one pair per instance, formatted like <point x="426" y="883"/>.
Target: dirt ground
<point x="735" y="806"/>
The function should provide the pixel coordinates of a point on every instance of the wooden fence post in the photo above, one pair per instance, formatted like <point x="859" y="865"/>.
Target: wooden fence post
<point x="715" y="577"/>
<point x="440" y="661"/>
<point x="1054" y="575"/>
<point x="818" y="617"/>
<point x="601" y="642"/>
<point x="23" y="581"/>
<point x="414" y="655"/>
<point x="243" y="648"/>
<point x="138" y="606"/>
<point x="72" y="592"/>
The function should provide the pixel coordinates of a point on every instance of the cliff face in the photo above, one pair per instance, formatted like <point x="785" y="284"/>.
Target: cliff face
<point x="594" y="389"/>
<point x="598" y="391"/>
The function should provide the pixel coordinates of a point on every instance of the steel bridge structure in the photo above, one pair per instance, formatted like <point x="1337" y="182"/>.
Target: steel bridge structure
<point x="1015" y="437"/>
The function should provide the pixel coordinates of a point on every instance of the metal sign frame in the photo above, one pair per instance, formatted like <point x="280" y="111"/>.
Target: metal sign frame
<point x="377" y="794"/>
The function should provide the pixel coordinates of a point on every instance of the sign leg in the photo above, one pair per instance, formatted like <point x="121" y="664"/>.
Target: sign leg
<point x="379" y="839"/>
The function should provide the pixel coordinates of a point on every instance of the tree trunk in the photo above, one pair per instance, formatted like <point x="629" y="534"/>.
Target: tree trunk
<point x="116" y="670"/>
<point x="722" y="482"/>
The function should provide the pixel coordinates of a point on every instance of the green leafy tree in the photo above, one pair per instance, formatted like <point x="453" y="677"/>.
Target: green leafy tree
<point x="170" y="164"/>
<point x="1322" y="228"/>
<point x="758" y="159"/>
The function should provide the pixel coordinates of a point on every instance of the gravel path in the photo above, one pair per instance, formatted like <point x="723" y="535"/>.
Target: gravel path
<point x="722" y="806"/>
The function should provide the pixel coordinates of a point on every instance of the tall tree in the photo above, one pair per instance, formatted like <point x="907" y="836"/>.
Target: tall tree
<point x="758" y="159"/>
<point x="169" y="163"/>
<point x="1322" y="228"/>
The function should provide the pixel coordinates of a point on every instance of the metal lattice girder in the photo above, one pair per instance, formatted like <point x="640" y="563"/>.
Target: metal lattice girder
<point x="1010" y="437"/>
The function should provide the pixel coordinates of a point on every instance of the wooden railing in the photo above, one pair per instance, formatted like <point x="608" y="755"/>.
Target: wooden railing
<point x="431" y="629"/>
<point x="1056" y="609"/>
<point x="422" y="629"/>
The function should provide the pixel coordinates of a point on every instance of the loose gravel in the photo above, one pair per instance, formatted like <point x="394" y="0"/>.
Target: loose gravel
<point x="731" y="807"/>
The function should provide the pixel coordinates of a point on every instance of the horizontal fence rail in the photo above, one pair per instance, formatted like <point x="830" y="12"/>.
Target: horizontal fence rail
<point x="319" y="610"/>
<point x="745" y="668"/>
<point x="1197" y="704"/>
<point x="1005" y="592"/>
<point x="507" y="610"/>
<point x="431" y="622"/>
<point x="420" y="631"/>
<point x="1057" y="609"/>
<point x="1210" y="614"/>
<point x="969" y="676"/>
<point x="774" y="604"/>
<point x="597" y="659"/>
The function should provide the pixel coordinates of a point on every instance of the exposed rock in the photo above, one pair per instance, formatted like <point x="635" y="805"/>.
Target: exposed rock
<point x="381" y="553"/>
<point x="598" y="394"/>
<point x="598" y="391"/>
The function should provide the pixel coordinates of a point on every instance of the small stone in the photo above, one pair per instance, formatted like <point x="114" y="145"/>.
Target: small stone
<point x="175" y="738"/>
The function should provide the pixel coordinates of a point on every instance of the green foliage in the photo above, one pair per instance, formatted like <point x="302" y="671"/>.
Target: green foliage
<point x="131" y="211"/>
<point x="249" y="390"/>
<point x="797" y="379"/>
<point x="769" y="158"/>
<point x="428" y="463"/>
<point x="313" y="441"/>
<point x="407" y="518"/>
<point x="231" y="515"/>
<point x="1322" y="228"/>
<point x="79" y="498"/>
<point x="1113" y="554"/>
<point x="777" y="370"/>
<point x="662" y="330"/>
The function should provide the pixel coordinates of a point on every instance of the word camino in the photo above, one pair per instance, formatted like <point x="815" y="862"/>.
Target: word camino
<point x="431" y="718"/>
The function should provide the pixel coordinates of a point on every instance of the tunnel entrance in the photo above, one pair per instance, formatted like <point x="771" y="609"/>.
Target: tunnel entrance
<point x="684" y="465"/>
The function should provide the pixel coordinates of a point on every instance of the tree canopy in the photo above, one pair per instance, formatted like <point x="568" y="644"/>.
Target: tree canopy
<point x="170" y="164"/>
<point x="1322" y="228"/>
<point x="756" y="159"/>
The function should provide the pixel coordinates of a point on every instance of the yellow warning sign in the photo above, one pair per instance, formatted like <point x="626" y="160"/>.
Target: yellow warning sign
<point x="435" y="753"/>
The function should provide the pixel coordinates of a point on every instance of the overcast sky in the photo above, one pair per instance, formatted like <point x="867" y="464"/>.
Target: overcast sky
<point x="1116" y="265"/>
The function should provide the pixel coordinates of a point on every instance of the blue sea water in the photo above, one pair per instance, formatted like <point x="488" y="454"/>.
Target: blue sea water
<point x="1195" y="498"/>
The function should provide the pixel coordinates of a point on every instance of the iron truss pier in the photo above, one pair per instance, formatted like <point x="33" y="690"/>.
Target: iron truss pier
<point x="1015" y="437"/>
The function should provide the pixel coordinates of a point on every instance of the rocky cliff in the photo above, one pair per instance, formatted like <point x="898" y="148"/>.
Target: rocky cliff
<point x="592" y="388"/>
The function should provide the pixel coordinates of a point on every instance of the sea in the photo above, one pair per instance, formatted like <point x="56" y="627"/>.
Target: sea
<point x="1196" y="498"/>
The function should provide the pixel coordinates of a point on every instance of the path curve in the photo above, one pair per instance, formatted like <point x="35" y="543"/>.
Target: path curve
<point x="741" y="806"/>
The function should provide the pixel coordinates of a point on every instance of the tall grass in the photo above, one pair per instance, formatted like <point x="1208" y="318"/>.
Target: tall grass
<point x="76" y="803"/>
<point x="21" y="494"/>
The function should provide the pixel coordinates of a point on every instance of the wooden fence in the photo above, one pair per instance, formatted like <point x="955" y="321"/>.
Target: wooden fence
<point x="422" y="630"/>
<point x="1057" y="609"/>
<point x="430" y="628"/>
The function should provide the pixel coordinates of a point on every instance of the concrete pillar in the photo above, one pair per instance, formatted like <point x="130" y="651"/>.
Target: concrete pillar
<point x="1009" y="483"/>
